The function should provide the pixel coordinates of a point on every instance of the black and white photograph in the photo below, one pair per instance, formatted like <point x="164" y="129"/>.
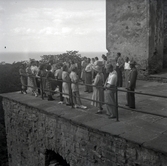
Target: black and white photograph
<point x="83" y="83"/>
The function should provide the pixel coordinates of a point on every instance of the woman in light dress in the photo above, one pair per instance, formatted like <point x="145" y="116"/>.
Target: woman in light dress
<point x="23" y="79"/>
<point x="66" y="83"/>
<point x="31" y="83"/>
<point x="98" y="94"/>
<point x="110" y="92"/>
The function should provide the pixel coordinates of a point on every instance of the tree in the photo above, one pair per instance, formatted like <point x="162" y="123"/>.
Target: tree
<point x="64" y="57"/>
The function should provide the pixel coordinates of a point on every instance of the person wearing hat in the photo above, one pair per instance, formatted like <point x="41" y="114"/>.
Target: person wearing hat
<point x="23" y="78"/>
<point x="31" y="83"/>
<point x="98" y="94"/>
<point x="131" y="85"/>
<point x="126" y="70"/>
<point x="109" y="94"/>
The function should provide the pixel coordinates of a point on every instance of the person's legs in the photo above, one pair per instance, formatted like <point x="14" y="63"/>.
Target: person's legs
<point x="100" y="94"/>
<point x="120" y="75"/>
<point x="113" y="106"/>
<point x="107" y="100"/>
<point x="110" y="107"/>
<point x="128" y="98"/>
<point x="38" y="86"/>
<point x="78" y="98"/>
<point x="60" y="89"/>
<point x="132" y="100"/>
<point x="74" y="98"/>
<point x="90" y="88"/>
<point x="86" y="86"/>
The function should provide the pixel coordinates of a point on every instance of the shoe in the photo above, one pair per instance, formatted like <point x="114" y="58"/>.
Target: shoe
<point x="68" y="104"/>
<point x="85" y="91"/>
<point x="99" y="112"/>
<point x="50" y="99"/>
<point x="126" y="105"/>
<point x="83" y="107"/>
<point x="36" y="95"/>
<point x="76" y="106"/>
<point x="111" y="117"/>
<point x="132" y="107"/>
<point x="24" y="93"/>
<point x="60" y="102"/>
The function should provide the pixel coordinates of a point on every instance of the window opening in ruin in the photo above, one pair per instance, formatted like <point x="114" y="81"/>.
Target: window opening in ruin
<point x="54" y="159"/>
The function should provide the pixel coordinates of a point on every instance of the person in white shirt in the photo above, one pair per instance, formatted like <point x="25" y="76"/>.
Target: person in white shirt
<point x="34" y="71"/>
<point x="127" y="70"/>
<point x="109" y="94"/>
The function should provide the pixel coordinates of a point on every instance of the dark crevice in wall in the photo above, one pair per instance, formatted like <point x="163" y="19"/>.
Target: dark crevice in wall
<point x="165" y="35"/>
<point x="3" y="143"/>
<point x="54" y="159"/>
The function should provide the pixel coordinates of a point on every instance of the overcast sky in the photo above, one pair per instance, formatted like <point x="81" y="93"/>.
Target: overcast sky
<point x="52" y="25"/>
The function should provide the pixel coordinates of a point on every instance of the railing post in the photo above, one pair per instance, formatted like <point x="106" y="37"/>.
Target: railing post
<point x="116" y="104"/>
<point x="70" y="94"/>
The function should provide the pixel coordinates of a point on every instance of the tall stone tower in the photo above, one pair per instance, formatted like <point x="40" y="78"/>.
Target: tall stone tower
<point x="135" y="28"/>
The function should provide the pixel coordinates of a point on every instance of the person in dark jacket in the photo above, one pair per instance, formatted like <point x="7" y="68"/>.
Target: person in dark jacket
<point x="49" y="79"/>
<point x="131" y="85"/>
<point x="119" y="69"/>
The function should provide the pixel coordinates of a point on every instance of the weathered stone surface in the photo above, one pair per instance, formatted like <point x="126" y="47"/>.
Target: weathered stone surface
<point x="31" y="132"/>
<point x="136" y="29"/>
<point x="165" y="35"/>
<point x="128" y="29"/>
<point x="156" y="36"/>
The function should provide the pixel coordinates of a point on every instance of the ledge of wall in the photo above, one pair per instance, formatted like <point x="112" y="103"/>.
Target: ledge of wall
<point x="81" y="138"/>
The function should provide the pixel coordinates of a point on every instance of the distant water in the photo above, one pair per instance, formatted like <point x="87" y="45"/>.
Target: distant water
<point x="10" y="57"/>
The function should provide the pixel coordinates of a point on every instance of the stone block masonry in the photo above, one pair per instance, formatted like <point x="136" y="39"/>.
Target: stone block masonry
<point x="136" y="29"/>
<point x="165" y="34"/>
<point x="35" y="126"/>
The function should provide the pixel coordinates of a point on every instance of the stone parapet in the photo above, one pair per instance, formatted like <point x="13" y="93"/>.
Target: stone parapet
<point x="34" y="126"/>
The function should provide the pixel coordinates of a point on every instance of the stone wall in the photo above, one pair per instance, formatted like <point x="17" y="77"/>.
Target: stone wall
<point x="165" y="35"/>
<point x="135" y="28"/>
<point x="128" y="29"/>
<point x="156" y="36"/>
<point x="32" y="131"/>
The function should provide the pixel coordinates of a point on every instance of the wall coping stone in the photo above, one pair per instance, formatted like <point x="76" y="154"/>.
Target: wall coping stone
<point x="149" y="134"/>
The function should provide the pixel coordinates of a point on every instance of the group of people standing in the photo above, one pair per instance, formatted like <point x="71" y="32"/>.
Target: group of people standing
<point x="130" y="73"/>
<point x="99" y="77"/>
<point x="49" y="77"/>
<point x="105" y="77"/>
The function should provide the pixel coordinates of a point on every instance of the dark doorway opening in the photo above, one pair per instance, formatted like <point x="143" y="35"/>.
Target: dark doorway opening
<point x="54" y="159"/>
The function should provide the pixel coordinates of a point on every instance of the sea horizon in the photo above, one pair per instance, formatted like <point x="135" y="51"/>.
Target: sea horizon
<point x="11" y="57"/>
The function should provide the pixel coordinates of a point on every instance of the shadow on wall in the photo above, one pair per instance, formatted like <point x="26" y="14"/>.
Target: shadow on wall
<point x="54" y="159"/>
<point x="3" y="144"/>
<point x="155" y="65"/>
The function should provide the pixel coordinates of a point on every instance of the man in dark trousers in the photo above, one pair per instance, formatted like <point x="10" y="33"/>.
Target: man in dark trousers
<point x="131" y="85"/>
